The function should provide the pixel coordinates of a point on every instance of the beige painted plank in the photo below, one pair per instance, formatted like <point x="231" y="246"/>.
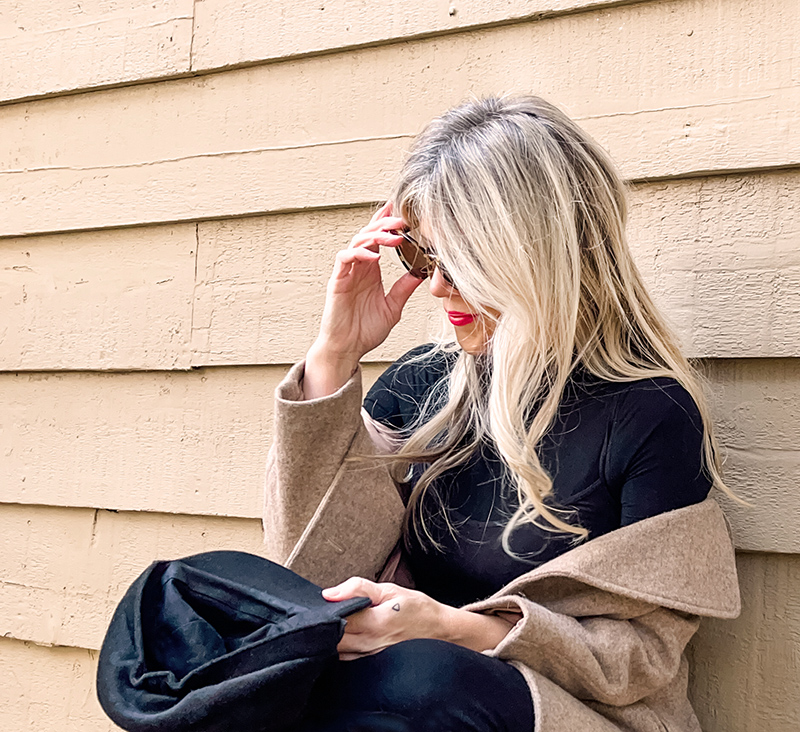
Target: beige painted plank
<point x="225" y="184"/>
<point x="47" y="49"/>
<point x="745" y="670"/>
<point x="736" y="136"/>
<point x="51" y="47"/>
<point x="217" y="146"/>
<point x="720" y="255"/>
<point x="388" y="91"/>
<point x="182" y="442"/>
<point x="251" y="31"/>
<point x="756" y="406"/>
<point x="196" y="442"/>
<point x="261" y="287"/>
<point x="49" y="689"/>
<point x="98" y="300"/>
<point x="63" y="570"/>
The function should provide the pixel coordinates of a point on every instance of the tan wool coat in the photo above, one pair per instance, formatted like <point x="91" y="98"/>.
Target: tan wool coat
<point x="604" y="626"/>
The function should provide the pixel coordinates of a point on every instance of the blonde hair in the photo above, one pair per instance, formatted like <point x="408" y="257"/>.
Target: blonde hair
<point x="527" y="213"/>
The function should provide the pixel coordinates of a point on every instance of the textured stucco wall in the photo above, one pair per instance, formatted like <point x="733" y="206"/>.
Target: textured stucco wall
<point x="176" y="176"/>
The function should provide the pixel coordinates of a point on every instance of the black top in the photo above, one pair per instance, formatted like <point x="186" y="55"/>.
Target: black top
<point x="617" y="453"/>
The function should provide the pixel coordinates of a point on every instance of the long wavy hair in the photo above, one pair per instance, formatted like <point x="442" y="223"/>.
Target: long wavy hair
<point x="527" y="213"/>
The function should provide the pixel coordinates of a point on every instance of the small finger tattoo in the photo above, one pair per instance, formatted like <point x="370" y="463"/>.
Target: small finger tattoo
<point x="396" y="607"/>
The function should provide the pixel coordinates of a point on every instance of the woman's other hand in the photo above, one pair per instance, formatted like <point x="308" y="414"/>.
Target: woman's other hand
<point x="399" y="614"/>
<point x="358" y="314"/>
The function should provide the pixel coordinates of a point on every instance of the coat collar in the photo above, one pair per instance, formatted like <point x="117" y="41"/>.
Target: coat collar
<point x="682" y="559"/>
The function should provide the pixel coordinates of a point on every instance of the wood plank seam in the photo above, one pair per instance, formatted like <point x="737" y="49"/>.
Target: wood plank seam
<point x="282" y="210"/>
<point x="531" y="17"/>
<point x="214" y="154"/>
<point x="192" y="71"/>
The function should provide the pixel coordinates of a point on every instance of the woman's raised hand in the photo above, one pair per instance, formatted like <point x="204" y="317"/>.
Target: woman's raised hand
<point x="358" y="314"/>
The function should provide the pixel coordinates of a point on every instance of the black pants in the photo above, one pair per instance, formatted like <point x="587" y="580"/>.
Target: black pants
<point x="421" y="686"/>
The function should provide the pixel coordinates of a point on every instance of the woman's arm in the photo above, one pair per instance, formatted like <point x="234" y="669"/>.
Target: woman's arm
<point x="318" y="423"/>
<point x="612" y="659"/>
<point x="399" y="614"/>
<point x="316" y="499"/>
<point x="358" y="315"/>
<point x="311" y="440"/>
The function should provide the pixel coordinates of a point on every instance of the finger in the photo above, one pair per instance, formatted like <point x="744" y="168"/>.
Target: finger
<point x="346" y="258"/>
<point x="400" y="292"/>
<point x="354" y="587"/>
<point x="360" y="254"/>
<point x="373" y="240"/>
<point x="355" y="656"/>
<point x="374" y="621"/>
<point x="361" y="645"/>
<point x="362" y="642"/>
<point x="381" y="212"/>
<point x="385" y="224"/>
<point x="364" y="622"/>
<point x="391" y="222"/>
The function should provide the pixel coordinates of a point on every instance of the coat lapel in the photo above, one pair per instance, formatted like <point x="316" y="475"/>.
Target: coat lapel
<point x="682" y="559"/>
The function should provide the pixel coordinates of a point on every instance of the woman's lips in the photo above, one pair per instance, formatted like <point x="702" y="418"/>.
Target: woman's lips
<point x="457" y="318"/>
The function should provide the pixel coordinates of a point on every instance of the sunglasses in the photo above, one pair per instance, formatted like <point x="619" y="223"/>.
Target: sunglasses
<point x="418" y="260"/>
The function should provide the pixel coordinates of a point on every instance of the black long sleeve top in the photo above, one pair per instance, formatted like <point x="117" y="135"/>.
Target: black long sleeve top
<point x="616" y="452"/>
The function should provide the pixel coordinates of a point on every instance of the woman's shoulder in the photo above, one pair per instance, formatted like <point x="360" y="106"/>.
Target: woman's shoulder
<point x="399" y="392"/>
<point x="646" y="416"/>
<point x="653" y="456"/>
<point x="657" y="396"/>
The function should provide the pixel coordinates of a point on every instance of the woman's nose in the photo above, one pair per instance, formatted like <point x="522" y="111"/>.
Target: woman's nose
<point x="439" y="286"/>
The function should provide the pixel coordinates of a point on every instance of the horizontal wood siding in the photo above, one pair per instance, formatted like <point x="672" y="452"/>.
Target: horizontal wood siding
<point x="178" y="442"/>
<point x="176" y="177"/>
<point x="118" y="299"/>
<point x="745" y="670"/>
<point x="196" y="442"/>
<point x="56" y="47"/>
<point x="48" y="689"/>
<point x="224" y="145"/>
<point x="64" y="569"/>
<point x="255" y="32"/>
<point x="720" y="254"/>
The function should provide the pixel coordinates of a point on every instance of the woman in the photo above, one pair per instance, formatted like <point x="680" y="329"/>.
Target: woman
<point x="543" y="479"/>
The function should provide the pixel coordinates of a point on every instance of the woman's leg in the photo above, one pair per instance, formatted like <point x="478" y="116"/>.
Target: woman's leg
<point x="422" y="686"/>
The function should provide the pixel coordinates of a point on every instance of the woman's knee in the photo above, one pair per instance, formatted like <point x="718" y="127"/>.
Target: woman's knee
<point x="434" y="685"/>
<point x="437" y="683"/>
<point x="423" y="673"/>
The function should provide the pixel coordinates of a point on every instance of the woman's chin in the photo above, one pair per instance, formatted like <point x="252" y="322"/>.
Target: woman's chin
<point x="471" y="342"/>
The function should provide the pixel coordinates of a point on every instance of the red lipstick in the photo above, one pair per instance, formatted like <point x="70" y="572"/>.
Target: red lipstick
<point x="457" y="318"/>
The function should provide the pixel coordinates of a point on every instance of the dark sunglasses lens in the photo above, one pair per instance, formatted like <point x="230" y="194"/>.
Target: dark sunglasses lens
<point x="417" y="262"/>
<point x="413" y="258"/>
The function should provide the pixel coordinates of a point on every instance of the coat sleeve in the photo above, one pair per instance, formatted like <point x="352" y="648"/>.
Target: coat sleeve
<point x="329" y="511"/>
<point x="609" y="659"/>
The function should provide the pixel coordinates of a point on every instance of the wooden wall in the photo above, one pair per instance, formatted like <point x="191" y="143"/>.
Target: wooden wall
<point x="175" y="178"/>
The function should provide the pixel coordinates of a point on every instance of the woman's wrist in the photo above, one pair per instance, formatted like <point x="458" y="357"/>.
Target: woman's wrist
<point x="326" y="371"/>
<point x="476" y="631"/>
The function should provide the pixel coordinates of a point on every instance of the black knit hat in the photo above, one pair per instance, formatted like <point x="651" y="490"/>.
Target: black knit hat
<point x="217" y="642"/>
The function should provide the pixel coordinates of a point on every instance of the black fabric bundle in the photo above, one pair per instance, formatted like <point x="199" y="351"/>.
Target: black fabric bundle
<point x="217" y="642"/>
